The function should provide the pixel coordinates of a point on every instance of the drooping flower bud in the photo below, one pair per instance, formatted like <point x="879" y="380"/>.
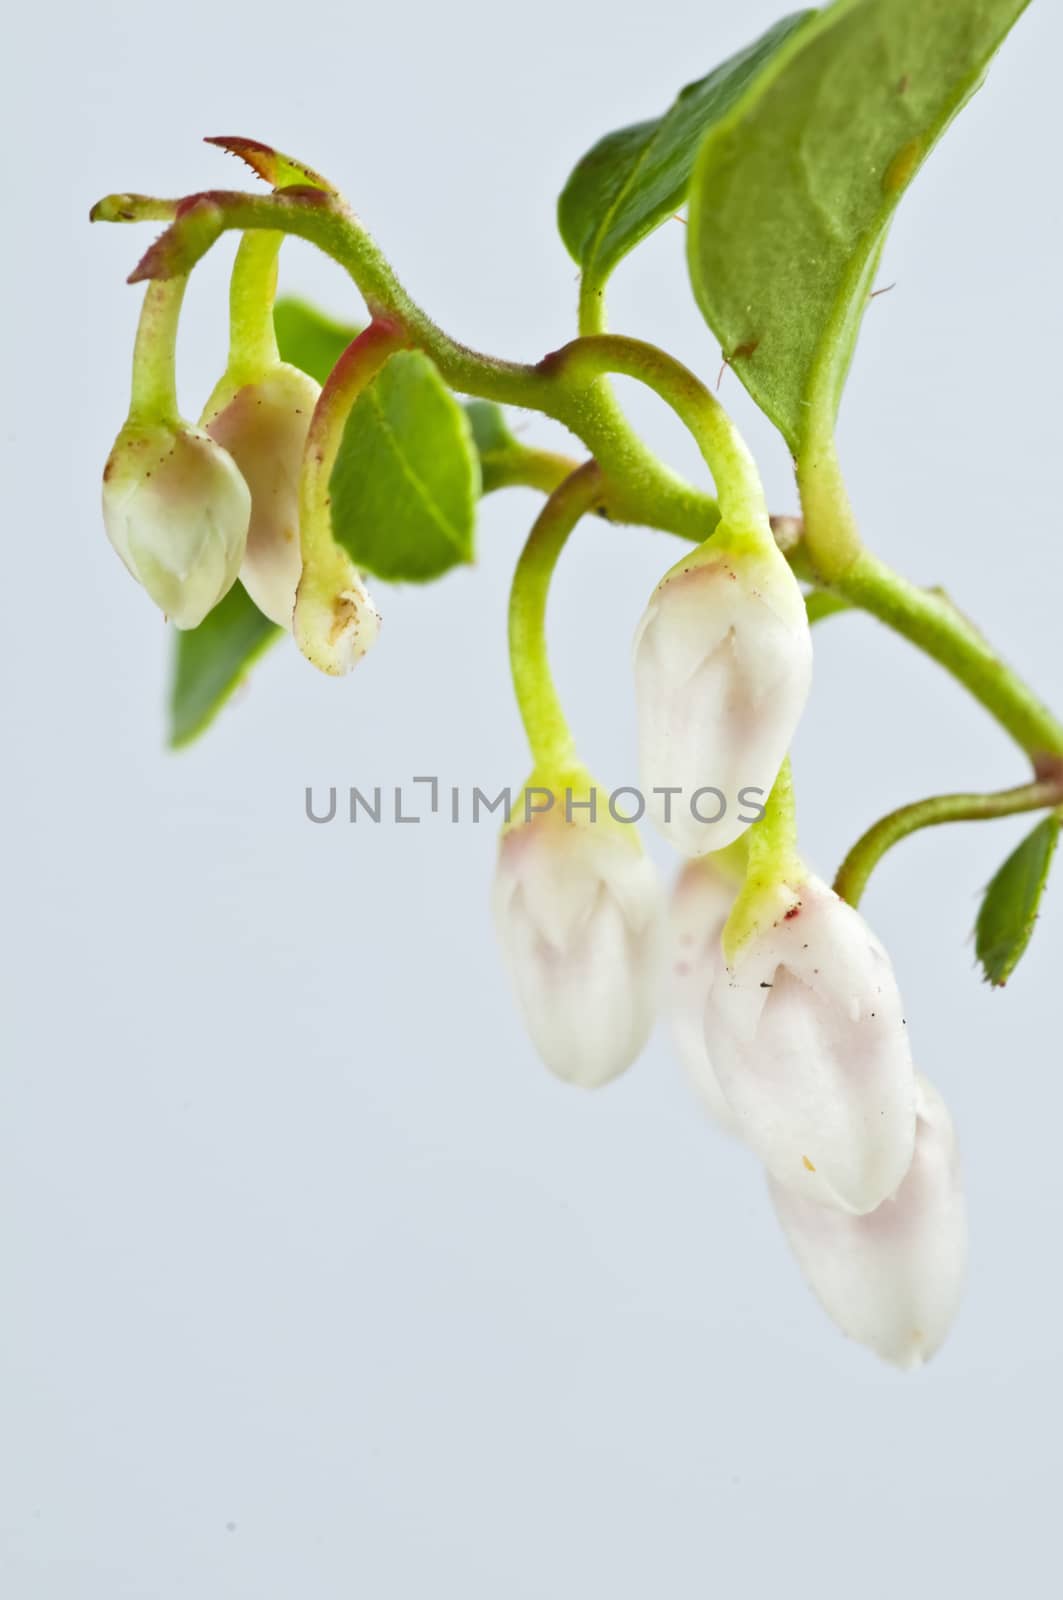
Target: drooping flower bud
<point x="177" y="511"/>
<point x="263" y="424"/>
<point x="701" y="903"/>
<point x="334" y="622"/>
<point x="577" y="910"/>
<point x="723" y="664"/>
<point x="891" y="1279"/>
<point x="807" y="1038"/>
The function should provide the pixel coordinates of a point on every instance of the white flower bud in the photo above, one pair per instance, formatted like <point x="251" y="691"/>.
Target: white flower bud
<point x="263" y="425"/>
<point x="577" y="910"/>
<point x="334" y="622"/>
<point x="806" y="1034"/>
<point x="892" y="1279"/>
<point x="723" y="664"/>
<point x="701" y="903"/>
<point x="176" y="510"/>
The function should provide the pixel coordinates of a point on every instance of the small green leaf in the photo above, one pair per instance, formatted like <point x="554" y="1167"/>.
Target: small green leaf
<point x="490" y="430"/>
<point x="307" y="339"/>
<point x="1009" y="910"/>
<point x="212" y="660"/>
<point x="633" y="180"/>
<point x="794" y="189"/>
<point x="407" y="478"/>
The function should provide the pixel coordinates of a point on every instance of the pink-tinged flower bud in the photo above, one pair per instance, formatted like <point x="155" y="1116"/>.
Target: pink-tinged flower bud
<point x="723" y="664"/>
<point x="806" y="1033"/>
<point x="577" y="910"/>
<point x="176" y="510"/>
<point x="701" y="903"/>
<point x="892" y="1279"/>
<point x="263" y="425"/>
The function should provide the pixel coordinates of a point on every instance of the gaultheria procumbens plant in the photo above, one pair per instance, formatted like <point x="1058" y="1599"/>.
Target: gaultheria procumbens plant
<point x="330" y="453"/>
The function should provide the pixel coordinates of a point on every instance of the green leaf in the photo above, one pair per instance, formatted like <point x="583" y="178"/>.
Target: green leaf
<point x="307" y="339"/>
<point x="1009" y="910"/>
<point x="212" y="660"/>
<point x="794" y="189"/>
<point x="490" y="430"/>
<point x="633" y="180"/>
<point x="407" y="478"/>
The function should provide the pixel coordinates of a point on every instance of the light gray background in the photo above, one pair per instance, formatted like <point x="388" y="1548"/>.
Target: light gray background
<point x="315" y="1284"/>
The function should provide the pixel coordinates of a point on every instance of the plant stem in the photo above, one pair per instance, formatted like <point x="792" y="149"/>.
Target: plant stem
<point x="154" y="391"/>
<point x="734" y="471"/>
<point x="943" y="633"/>
<point x="334" y="621"/>
<point x="567" y="386"/>
<point x="642" y="489"/>
<point x="352" y="374"/>
<point x="832" y="539"/>
<point x="927" y="619"/>
<point x="252" y="335"/>
<point x="549" y="736"/>
<point x="867" y="852"/>
<point x="521" y="467"/>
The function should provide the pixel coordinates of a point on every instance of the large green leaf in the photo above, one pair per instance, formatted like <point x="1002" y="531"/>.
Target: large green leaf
<point x="1009" y="910"/>
<point x="212" y="660"/>
<point x="794" y="189"/>
<point x="407" y="478"/>
<point x="633" y="180"/>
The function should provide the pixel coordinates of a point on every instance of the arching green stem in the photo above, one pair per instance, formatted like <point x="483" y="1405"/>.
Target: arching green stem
<point x="252" y="291"/>
<point x="734" y="471"/>
<point x="352" y="374"/>
<point x="867" y="852"/>
<point x="154" y="391"/>
<point x="933" y="623"/>
<point x="523" y="467"/>
<point x="334" y="622"/>
<point x="643" y="489"/>
<point x="926" y="618"/>
<point x="549" y="736"/>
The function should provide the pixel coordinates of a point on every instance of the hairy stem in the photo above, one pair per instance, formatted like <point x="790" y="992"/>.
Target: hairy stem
<point x="867" y="852"/>
<point x="930" y="621"/>
<point x="734" y="471"/>
<point x="523" y="467"/>
<point x="641" y="487"/>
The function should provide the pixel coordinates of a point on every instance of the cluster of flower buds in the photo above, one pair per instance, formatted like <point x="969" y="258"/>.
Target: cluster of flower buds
<point x="783" y="1003"/>
<point x="802" y="1052"/>
<point x="244" y="495"/>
